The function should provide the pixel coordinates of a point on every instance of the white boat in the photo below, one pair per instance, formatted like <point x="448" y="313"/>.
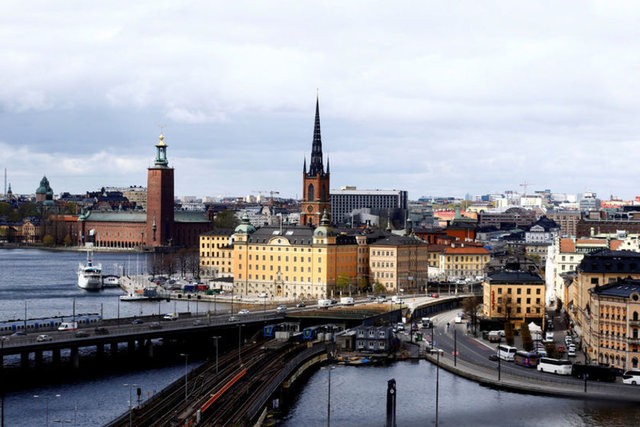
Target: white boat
<point x="90" y="274"/>
<point x="111" y="281"/>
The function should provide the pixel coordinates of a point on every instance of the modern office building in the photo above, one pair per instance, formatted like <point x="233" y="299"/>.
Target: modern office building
<point x="346" y="201"/>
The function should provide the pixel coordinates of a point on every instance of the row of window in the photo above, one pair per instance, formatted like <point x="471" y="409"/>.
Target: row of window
<point x="519" y="291"/>
<point x="518" y="300"/>
<point x="519" y="310"/>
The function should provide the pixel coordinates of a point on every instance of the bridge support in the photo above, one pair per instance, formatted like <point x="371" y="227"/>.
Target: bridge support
<point x="24" y="359"/>
<point x="100" y="351"/>
<point x="114" y="348"/>
<point x="149" y="349"/>
<point x="38" y="358"/>
<point x="75" y="358"/>
<point x="55" y="356"/>
<point x="131" y="346"/>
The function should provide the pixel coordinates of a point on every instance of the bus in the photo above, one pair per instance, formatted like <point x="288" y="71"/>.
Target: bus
<point x="594" y="372"/>
<point x="554" y="366"/>
<point x="506" y="352"/>
<point x="528" y="359"/>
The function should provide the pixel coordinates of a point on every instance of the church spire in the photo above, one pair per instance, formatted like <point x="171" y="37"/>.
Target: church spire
<point x="316" y="167"/>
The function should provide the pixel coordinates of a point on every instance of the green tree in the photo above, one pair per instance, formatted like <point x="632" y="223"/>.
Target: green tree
<point x="67" y="240"/>
<point x="525" y="334"/>
<point x="363" y="284"/>
<point x="48" y="240"/>
<point x="342" y="282"/>
<point x="471" y="307"/>
<point x="508" y="333"/>
<point x="379" y="288"/>
<point x="226" y="220"/>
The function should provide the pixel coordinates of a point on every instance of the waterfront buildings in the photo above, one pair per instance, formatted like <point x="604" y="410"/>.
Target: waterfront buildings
<point x="348" y="202"/>
<point x="399" y="263"/>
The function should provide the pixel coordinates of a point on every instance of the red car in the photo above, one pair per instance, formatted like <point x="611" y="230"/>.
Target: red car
<point x="434" y="295"/>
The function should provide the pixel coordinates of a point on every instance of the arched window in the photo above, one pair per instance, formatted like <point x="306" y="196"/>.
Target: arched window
<point x="311" y="193"/>
<point x="634" y="362"/>
<point x="635" y="315"/>
<point x="323" y="195"/>
<point x="635" y="334"/>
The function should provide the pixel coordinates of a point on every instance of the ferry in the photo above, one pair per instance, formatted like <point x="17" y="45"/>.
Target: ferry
<point x="90" y="274"/>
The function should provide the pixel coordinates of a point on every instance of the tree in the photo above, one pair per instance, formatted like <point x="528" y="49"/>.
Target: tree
<point x="67" y="240"/>
<point x="508" y="333"/>
<point x="48" y="240"/>
<point x="226" y="219"/>
<point x="471" y="307"/>
<point x="363" y="284"/>
<point x="525" y="334"/>
<point x="342" y="282"/>
<point x="379" y="288"/>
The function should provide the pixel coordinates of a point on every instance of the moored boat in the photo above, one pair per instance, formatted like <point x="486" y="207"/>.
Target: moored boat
<point x="90" y="274"/>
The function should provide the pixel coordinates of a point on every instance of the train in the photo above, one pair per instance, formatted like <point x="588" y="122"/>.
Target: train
<point x="46" y="323"/>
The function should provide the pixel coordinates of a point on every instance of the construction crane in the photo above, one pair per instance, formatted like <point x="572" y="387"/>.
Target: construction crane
<point x="524" y="186"/>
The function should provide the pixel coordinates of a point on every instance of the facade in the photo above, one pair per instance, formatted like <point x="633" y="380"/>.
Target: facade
<point x="598" y="269"/>
<point x="348" y="199"/>
<point x="513" y="216"/>
<point x="460" y="261"/>
<point x="567" y="220"/>
<point x="374" y="338"/>
<point x="591" y="227"/>
<point x="399" y="263"/>
<point x="216" y="252"/>
<point x="292" y="262"/>
<point x="315" y="181"/>
<point x="613" y="333"/>
<point x="514" y="296"/>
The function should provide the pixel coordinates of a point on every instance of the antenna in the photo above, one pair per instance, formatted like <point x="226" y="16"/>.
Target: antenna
<point x="5" y="182"/>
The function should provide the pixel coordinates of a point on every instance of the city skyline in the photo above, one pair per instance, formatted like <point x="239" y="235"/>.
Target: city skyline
<point x="435" y="99"/>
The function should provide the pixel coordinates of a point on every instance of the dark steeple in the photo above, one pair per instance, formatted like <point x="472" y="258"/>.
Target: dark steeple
<point x="316" y="167"/>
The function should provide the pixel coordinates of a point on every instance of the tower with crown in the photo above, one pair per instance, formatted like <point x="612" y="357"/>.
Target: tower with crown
<point x="160" y="210"/>
<point x="315" y="181"/>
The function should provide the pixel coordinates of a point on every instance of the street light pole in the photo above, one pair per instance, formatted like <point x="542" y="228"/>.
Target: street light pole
<point x="329" y="398"/>
<point x="239" y="342"/>
<point x="130" y="403"/>
<point x="186" y="375"/>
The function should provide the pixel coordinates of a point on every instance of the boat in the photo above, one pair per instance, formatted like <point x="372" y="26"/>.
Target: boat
<point x="148" y="294"/>
<point x="90" y="274"/>
<point x="110" y="281"/>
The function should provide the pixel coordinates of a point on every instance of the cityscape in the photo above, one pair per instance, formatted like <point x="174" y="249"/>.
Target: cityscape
<point x="239" y="214"/>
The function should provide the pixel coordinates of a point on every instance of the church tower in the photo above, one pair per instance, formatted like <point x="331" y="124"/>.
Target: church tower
<point x="315" y="181"/>
<point x="160" y="211"/>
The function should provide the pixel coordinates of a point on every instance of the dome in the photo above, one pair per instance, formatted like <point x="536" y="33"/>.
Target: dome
<point x="245" y="226"/>
<point x="324" y="229"/>
<point x="44" y="186"/>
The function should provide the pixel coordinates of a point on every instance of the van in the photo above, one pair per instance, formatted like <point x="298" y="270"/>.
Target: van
<point x="397" y="299"/>
<point x="324" y="302"/>
<point x="346" y="301"/>
<point x="631" y="377"/>
<point x="494" y="336"/>
<point x="170" y="316"/>
<point x="68" y="326"/>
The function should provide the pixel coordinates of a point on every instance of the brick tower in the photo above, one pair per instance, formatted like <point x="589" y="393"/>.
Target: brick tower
<point x="160" y="224"/>
<point x="315" y="181"/>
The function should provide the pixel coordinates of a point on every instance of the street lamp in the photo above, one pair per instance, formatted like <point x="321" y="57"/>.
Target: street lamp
<point x="216" y="340"/>
<point x="130" y="403"/>
<point x="46" y="398"/>
<point x="329" y="369"/>
<point x="240" y="325"/>
<point x="186" y="372"/>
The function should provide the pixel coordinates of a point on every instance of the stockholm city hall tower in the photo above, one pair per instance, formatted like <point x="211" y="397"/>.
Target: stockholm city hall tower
<point x="315" y="181"/>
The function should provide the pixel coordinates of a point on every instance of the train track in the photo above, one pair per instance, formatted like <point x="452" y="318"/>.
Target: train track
<point x="214" y="399"/>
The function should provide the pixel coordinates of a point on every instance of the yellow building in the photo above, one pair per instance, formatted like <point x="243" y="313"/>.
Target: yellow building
<point x="291" y="262"/>
<point x="460" y="261"/>
<point x="614" y="324"/>
<point x="399" y="263"/>
<point x="216" y="251"/>
<point x="515" y="296"/>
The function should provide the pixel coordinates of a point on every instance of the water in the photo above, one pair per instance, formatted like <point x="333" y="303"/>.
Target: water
<point x="358" y="398"/>
<point x="46" y="282"/>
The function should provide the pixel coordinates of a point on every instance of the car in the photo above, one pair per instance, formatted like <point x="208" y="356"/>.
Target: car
<point x="568" y="339"/>
<point x="381" y="299"/>
<point x="400" y="326"/>
<point x="301" y="304"/>
<point x="101" y="331"/>
<point x="281" y="309"/>
<point x="458" y="319"/>
<point x="198" y="322"/>
<point x="155" y="325"/>
<point x="571" y="352"/>
<point x="262" y="295"/>
<point x="170" y="316"/>
<point x="82" y="334"/>
<point x="435" y="295"/>
<point x="243" y="312"/>
<point x="232" y="318"/>
<point x="137" y="322"/>
<point x="4" y="339"/>
<point x="18" y="334"/>
<point x="493" y="357"/>
<point x="43" y="338"/>
<point x="561" y="349"/>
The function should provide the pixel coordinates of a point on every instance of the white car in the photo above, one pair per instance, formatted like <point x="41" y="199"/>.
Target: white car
<point x="42" y="338"/>
<point x="243" y="312"/>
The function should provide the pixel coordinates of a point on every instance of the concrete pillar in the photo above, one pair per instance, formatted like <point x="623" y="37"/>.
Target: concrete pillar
<point x="24" y="359"/>
<point x="100" y="350"/>
<point x="131" y="346"/>
<point x="114" y="348"/>
<point x="55" y="356"/>
<point x="149" y="349"/>
<point x="38" y="358"/>
<point x="75" y="357"/>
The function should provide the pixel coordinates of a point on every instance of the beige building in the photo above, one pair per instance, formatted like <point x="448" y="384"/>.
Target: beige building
<point x="216" y="252"/>
<point x="514" y="296"/>
<point x="613" y="333"/>
<point x="460" y="261"/>
<point x="399" y="263"/>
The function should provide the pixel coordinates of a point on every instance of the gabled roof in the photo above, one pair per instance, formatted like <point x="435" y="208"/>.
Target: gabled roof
<point x="515" y="277"/>
<point x="608" y="261"/>
<point x="621" y="288"/>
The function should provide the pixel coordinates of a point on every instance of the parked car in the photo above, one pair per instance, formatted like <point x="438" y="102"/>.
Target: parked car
<point x="43" y="337"/>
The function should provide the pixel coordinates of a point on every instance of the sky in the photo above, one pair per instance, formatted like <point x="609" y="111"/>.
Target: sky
<point x="436" y="98"/>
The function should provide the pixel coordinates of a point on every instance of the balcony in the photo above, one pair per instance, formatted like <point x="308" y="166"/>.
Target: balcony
<point x="632" y="340"/>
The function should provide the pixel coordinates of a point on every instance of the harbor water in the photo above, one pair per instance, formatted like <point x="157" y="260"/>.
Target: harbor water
<point x="43" y="283"/>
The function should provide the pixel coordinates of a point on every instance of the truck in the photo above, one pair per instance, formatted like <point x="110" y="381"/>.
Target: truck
<point x="346" y="301"/>
<point x="494" y="336"/>
<point x="324" y="302"/>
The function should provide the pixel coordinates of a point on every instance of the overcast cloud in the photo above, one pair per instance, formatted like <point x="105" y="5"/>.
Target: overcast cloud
<point x="437" y="98"/>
